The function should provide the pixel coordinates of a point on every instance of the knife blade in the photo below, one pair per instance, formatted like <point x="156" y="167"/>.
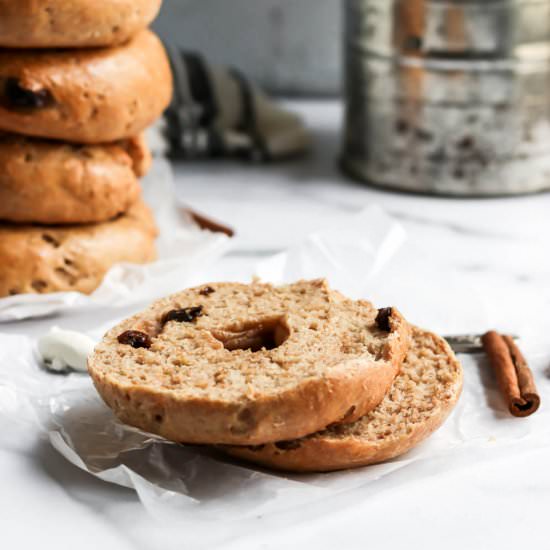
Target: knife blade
<point x="467" y="343"/>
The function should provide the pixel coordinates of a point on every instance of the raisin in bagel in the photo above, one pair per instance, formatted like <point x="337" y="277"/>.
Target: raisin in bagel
<point x="420" y="399"/>
<point x="246" y="364"/>
<point x="85" y="96"/>
<point x="72" y="23"/>
<point x="60" y="183"/>
<point x="40" y="259"/>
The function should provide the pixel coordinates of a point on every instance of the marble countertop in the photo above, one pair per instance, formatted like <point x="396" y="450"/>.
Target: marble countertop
<point x="496" y="247"/>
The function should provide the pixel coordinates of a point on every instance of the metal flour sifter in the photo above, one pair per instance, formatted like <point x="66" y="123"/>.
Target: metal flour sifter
<point x="448" y="96"/>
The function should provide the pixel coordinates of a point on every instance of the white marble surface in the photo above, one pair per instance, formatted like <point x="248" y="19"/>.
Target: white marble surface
<point x="498" y="248"/>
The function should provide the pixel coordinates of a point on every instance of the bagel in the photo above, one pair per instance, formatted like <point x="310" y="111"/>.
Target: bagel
<point x="420" y="399"/>
<point x="85" y="96"/>
<point x="43" y="259"/>
<point x="50" y="182"/>
<point x="72" y="23"/>
<point x="247" y="364"/>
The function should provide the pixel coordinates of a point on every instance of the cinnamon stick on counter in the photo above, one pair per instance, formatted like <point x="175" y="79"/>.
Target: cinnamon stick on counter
<point x="514" y="377"/>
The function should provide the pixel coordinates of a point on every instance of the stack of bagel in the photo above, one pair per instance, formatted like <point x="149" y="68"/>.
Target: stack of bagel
<point x="296" y="377"/>
<point x="80" y="81"/>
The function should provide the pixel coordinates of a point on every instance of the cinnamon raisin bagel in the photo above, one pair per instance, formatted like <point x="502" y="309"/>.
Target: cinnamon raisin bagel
<point x="248" y="364"/>
<point x="43" y="259"/>
<point x="85" y="96"/>
<point x="52" y="182"/>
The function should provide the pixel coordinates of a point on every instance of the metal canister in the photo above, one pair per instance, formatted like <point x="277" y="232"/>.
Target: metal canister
<point x="448" y="96"/>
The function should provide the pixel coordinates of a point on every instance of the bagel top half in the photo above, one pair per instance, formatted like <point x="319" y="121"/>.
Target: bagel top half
<point x="247" y="364"/>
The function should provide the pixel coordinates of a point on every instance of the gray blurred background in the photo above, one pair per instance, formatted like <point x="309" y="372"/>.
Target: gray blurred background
<point x="290" y="47"/>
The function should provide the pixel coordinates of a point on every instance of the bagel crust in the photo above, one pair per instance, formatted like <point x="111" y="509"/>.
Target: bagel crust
<point x="421" y="398"/>
<point x="230" y="363"/>
<point x="85" y="96"/>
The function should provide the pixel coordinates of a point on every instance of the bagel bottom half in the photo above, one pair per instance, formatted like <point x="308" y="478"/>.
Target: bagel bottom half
<point x="419" y="401"/>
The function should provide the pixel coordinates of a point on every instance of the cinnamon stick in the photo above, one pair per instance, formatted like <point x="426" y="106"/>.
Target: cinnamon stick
<point x="209" y="224"/>
<point x="514" y="377"/>
<point x="526" y="381"/>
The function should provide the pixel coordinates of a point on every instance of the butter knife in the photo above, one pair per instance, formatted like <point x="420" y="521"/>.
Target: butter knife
<point x="467" y="343"/>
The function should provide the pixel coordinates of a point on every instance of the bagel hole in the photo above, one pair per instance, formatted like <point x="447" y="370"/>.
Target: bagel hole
<point x="268" y="334"/>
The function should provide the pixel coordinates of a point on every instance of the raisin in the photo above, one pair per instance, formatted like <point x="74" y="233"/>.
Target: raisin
<point x="206" y="291"/>
<point x="21" y="98"/>
<point x="383" y="318"/>
<point x="135" y="338"/>
<point x="185" y="315"/>
<point x="289" y="445"/>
